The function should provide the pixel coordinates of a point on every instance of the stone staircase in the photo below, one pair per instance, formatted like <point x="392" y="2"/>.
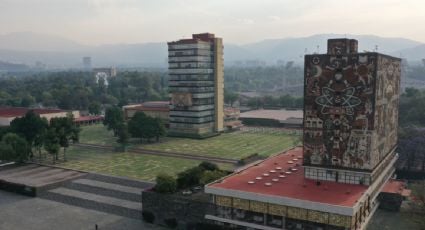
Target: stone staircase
<point x="115" y="195"/>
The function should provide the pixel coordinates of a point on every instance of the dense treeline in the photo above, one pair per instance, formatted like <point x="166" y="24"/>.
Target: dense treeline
<point x="29" y="134"/>
<point x="285" y="101"/>
<point x="264" y="78"/>
<point x="139" y="126"/>
<point x="416" y="72"/>
<point x="412" y="108"/>
<point x="79" y="90"/>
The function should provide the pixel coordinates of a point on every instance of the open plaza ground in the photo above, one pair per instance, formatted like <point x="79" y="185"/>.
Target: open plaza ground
<point x="19" y="212"/>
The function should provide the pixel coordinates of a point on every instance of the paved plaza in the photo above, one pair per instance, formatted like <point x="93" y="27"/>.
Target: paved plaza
<point x="19" y="212"/>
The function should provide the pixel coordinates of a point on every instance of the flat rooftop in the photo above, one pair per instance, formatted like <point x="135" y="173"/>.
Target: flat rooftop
<point x="280" y="115"/>
<point x="283" y="176"/>
<point x="20" y="111"/>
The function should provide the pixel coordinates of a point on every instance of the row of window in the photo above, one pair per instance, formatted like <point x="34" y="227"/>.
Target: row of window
<point x="342" y="177"/>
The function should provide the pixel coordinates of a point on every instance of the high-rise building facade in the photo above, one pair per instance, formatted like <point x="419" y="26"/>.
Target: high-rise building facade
<point x="87" y="63"/>
<point x="350" y="113"/>
<point x="348" y="154"/>
<point x="196" y="86"/>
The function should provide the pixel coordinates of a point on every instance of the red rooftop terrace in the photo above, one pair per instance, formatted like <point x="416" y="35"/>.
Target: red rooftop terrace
<point x="282" y="176"/>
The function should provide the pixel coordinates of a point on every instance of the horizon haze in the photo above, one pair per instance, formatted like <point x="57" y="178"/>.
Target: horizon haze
<point x="99" y="22"/>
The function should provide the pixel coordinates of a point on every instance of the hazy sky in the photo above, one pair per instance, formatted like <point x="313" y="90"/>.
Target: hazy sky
<point x="237" y="21"/>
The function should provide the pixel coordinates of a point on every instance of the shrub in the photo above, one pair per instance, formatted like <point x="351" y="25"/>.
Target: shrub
<point x="148" y="216"/>
<point x="165" y="184"/>
<point x="171" y="223"/>
<point x="210" y="176"/>
<point x="208" y="166"/>
<point x="189" y="177"/>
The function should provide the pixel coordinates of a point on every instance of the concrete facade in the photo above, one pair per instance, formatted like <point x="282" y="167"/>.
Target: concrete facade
<point x="348" y="155"/>
<point x="196" y="86"/>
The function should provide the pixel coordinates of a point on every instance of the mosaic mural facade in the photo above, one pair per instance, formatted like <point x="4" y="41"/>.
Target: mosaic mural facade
<point x="350" y="107"/>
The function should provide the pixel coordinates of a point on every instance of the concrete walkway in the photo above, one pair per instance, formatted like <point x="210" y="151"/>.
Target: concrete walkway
<point x="21" y="212"/>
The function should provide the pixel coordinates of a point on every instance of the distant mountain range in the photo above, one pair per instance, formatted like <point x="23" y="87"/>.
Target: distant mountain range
<point x="29" y="48"/>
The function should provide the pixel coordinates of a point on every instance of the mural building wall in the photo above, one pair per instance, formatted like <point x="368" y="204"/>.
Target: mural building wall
<point x="350" y="107"/>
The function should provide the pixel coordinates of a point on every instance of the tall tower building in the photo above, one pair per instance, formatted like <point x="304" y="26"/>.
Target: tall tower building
<point x="87" y="63"/>
<point x="348" y="154"/>
<point x="350" y="113"/>
<point x="196" y="86"/>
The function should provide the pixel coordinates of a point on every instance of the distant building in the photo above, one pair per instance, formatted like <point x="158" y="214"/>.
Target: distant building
<point x="87" y="63"/>
<point x="104" y="74"/>
<point x="276" y="118"/>
<point x="8" y="114"/>
<point x="157" y="109"/>
<point x="347" y="158"/>
<point x="231" y="118"/>
<point x="196" y="86"/>
<point x="161" y="110"/>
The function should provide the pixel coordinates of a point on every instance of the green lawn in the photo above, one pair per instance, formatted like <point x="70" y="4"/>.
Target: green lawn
<point x="132" y="165"/>
<point x="96" y="134"/>
<point x="233" y="145"/>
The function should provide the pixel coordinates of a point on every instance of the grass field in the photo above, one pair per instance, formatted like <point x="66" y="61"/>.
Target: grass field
<point x="145" y="167"/>
<point x="233" y="145"/>
<point x="132" y="165"/>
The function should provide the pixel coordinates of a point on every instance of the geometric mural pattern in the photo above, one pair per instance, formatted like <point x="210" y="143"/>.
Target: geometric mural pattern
<point x="350" y="109"/>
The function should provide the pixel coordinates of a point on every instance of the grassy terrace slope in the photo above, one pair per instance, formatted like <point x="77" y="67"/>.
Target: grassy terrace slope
<point x="132" y="165"/>
<point x="233" y="145"/>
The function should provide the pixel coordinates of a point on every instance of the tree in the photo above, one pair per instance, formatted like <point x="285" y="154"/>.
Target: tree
<point x="417" y="209"/>
<point x="52" y="143"/>
<point x="14" y="147"/>
<point x="206" y="165"/>
<point x="32" y="127"/>
<point x="94" y="108"/>
<point x="137" y="125"/>
<point x="230" y="97"/>
<point x="189" y="177"/>
<point x="65" y="130"/>
<point x="113" y="118"/>
<point x="165" y="184"/>
<point x="123" y="134"/>
<point x="159" y="128"/>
